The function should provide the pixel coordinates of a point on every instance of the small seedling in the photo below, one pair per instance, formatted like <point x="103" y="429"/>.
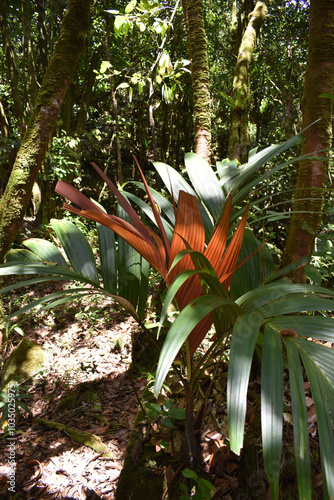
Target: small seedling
<point x="10" y="326"/>
<point x="166" y="411"/>
<point x="12" y="400"/>
<point x="200" y="491"/>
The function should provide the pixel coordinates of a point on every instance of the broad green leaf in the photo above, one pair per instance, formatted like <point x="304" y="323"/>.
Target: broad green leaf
<point x="272" y="406"/>
<point x="227" y="174"/>
<point x="323" y="356"/>
<point x="133" y="272"/>
<point x="297" y="304"/>
<point x="285" y="271"/>
<point x="130" y="6"/>
<point x="20" y="255"/>
<point x="45" y="250"/>
<point x="123" y="85"/>
<point x="162" y="202"/>
<point x="144" y="207"/>
<point x="190" y="474"/>
<point x="108" y="257"/>
<point x="175" y="183"/>
<point x="322" y="391"/>
<point x="104" y="66"/>
<point x="267" y="294"/>
<point x="143" y="289"/>
<point x="16" y="268"/>
<point x="185" y="322"/>
<point x="129" y="263"/>
<point x="207" y="277"/>
<point x="119" y="20"/>
<point x="248" y="276"/>
<point x="317" y="327"/>
<point x="77" y="248"/>
<point x="243" y="342"/>
<point x="300" y="428"/>
<point x="178" y="413"/>
<point x="205" y="183"/>
<point x="258" y="160"/>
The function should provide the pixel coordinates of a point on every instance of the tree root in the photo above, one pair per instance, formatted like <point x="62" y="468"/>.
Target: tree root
<point x="85" y="438"/>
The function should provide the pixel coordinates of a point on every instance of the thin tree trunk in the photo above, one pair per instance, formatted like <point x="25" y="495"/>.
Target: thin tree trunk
<point x="36" y="139"/>
<point x="319" y="79"/>
<point x="114" y="106"/>
<point x="239" y="142"/>
<point x="12" y="70"/>
<point x="194" y="17"/>
<point x="87" y="93"/>
<point x="31" y="86"/>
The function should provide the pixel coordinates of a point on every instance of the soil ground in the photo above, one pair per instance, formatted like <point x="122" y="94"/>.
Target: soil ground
<point x="89" y="348"/>
<point x="82" y="348"/>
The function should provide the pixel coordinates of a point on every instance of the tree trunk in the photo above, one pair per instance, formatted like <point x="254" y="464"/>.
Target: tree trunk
<point x="319" y="78"/>
<point x="31" y="86"/>
<point x="87" y="93"/>
<point x="12" y="70"/>
<point x="239" y="142"/>
<point x="114" y="104"/>
<point x="194" y="17"/>
<point x="36" y="139"/>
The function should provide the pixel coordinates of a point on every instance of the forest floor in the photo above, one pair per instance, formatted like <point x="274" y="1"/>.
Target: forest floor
<point x="90" y="350"/>
<point x="93" y="355"/>
<point x="86" y="386"/>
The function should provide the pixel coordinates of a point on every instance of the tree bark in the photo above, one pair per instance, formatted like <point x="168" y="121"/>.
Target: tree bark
<point x="194" y="17"/>
<point x="114" y="104"/>
<point x="239" y="142"/>
<point x="12" y="70"/>
<point x="319" y="79"/>
<point x="38" y="134"/>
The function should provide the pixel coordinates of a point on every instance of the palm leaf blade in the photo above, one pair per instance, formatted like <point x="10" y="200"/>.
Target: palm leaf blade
<point x="243" y="341"/>
<point x="272" y="406"/>
<point x="299" y="414"/>
<point x="77" y="248"/>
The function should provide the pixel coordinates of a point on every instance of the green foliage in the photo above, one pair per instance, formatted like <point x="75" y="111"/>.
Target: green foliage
<point x="202" y="489"/>
<point x="166" y="411"/>
<point x="11" y="401"/>
<point x="263" y="301"/>
<point x="43" y="258"/>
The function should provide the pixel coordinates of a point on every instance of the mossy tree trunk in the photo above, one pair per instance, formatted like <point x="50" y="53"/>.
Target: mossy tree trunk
<point x="38" y="134"/>
<point x="197" y="44"/>
<point x="312" y="175"/>
<point x="12" y="70"/>
<point x="239" y="142"/>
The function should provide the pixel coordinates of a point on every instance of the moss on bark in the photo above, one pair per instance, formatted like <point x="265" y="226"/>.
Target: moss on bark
<point x="38" y="134"/>
<point x="197" y="43"/>
<point x="319" y="79"/>
<point x="239" y="142"/>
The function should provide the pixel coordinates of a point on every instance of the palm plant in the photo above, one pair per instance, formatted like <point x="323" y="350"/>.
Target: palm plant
<point x="264" y="311"/>
<point x="193" y="255"/>
<point x="171" y="259"/>
<point x="123" y="275"/>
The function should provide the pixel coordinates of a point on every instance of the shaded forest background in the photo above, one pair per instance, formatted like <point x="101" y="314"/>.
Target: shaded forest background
<point x="120" y="102"/>
<point x="118" y="85"/>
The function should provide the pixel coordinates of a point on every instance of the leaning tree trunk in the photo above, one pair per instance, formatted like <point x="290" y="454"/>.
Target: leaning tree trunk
<point x="312" y="174"/>
<point x="194" y="17"/>
<point x="239" y="142"/>
<point x="38" y="134"/>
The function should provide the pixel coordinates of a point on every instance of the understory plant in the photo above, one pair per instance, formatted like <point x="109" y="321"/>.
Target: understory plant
<point x="197" y="246"/>
<point x="198" y="270"/>
<point x="122" y="273"/>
